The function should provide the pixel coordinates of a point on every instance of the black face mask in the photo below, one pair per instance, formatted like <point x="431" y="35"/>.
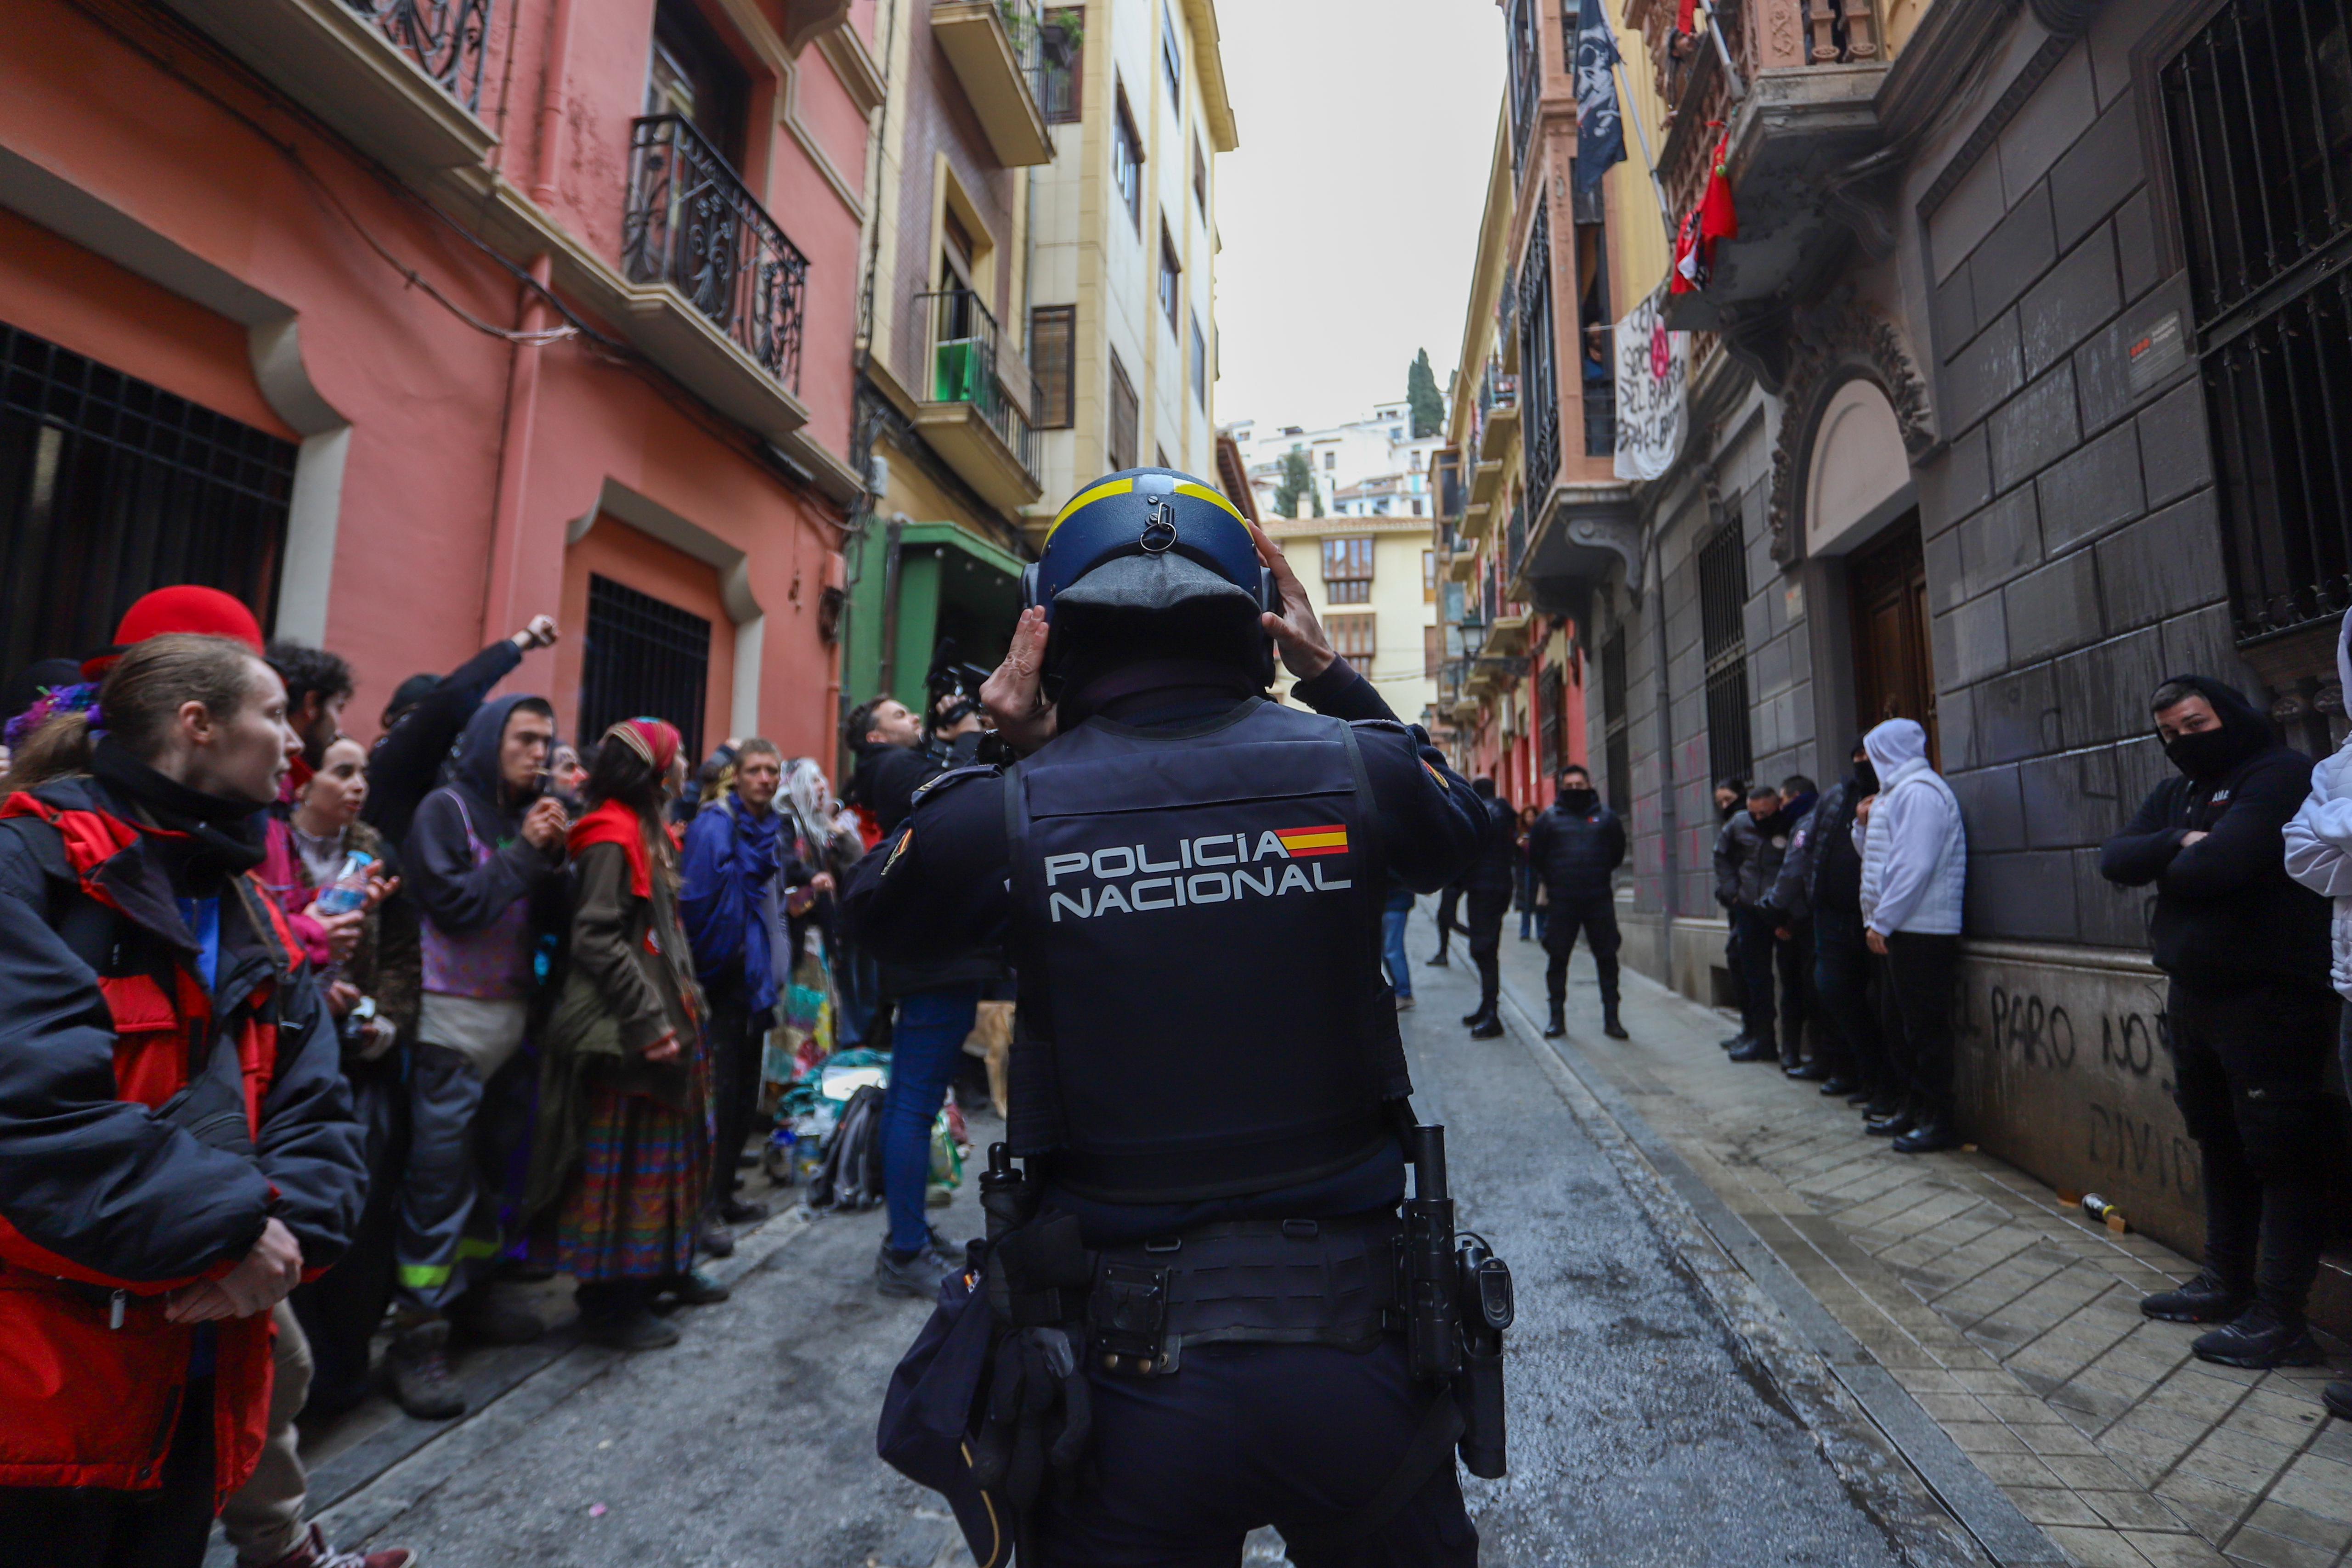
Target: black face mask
<point x="2205" y="755"/>
<point x="1865" y="777"/>
<point x="1578" y="800"/>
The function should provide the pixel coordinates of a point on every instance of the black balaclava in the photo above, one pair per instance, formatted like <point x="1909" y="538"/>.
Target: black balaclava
<point x="1865" y="772"/>
<point x="2209" y="757"/>
<point x="1578" y="800"/>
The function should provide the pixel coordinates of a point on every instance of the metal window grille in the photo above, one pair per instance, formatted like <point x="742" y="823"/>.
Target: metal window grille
<point x="1526" y="74"/>
<point x="1515" y="537"/>
<point x="1062" y="66"/>
<point x="1449" y="484"/>
<point x="644" y="657"/>
<point x="1615" y="730"/>
<point x="1053" y="355"/>
<point x="965" y="369"/>
<point x="692" y="224"/>
<point x="1722" y="635"/>
<point x="2259" y="111"/>
<point x="1551" y="739"/>
<point x="1538" y="388"/>
<point x="448" y="37"/>
<point x="109" y="487"/>
<point x="1347" y="570"/>
<point x="1122" y="438"/>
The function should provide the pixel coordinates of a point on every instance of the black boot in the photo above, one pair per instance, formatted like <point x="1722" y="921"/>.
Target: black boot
<point x="1894" y="1124"/>
<point x="1558" y="1024"/>
<point x="1609" y="1024"/>
<point x="1837" y="1084"/>
<point x="2337" y="1397"/>
<point x="2260" y="1337"/>
<point x="1884" y="1105"/>
<point x="2206" y="1299"/>
<point x="1931" y="1132"/>
<point x="1813" y="1071"/>
<point x="1486" y="1010"/>
<point x="1760" y="1048"/>
<point x="1733" y="1041"/>
<point x="1491" y="1028"/>
<point x="1437" y="960"/>
<point x="618" y="1315"/>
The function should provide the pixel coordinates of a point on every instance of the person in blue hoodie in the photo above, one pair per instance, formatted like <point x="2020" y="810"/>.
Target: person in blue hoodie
<point x="484" y="860"/>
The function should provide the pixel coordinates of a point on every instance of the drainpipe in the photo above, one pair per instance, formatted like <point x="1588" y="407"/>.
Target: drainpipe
<point x="1669" y="862"/>
<point x="890" y="537"/>
<point x="551" y="102"/>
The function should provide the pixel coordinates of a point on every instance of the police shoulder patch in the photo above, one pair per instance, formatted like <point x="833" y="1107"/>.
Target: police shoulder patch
<point x="951" y="777"/>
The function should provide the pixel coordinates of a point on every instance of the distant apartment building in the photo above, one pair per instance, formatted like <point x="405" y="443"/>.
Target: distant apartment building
<point x="405" y="322"/>
<point x="1342" y="458"/>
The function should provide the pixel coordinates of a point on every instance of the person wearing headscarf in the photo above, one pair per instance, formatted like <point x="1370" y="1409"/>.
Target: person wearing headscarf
<point x="622" y="1160"/>
<point x="2251" y="1012"/>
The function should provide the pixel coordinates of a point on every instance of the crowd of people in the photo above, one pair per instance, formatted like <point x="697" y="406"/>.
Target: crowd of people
<point x="312" y="1047"/>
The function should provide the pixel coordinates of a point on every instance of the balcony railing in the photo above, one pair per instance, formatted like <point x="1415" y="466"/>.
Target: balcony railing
<point x="1027" y="33"/>
<point x="963" y="369"/>
<point x="450" y="38"/>
<point x="691" y="224"/>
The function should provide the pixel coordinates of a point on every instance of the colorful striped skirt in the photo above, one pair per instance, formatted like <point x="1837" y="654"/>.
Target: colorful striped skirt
<point x="644" y="1175"/>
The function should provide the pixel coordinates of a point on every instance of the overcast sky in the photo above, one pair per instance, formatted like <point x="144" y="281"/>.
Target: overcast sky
<point x="1350" y="210"/>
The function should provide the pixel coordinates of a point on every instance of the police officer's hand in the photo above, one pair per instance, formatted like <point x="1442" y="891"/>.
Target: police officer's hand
<point x="1014" y="693"/>
<point x="1305" y="650"/>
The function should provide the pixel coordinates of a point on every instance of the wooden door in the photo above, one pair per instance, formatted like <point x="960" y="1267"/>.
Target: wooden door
<point x="1893" y="676"/>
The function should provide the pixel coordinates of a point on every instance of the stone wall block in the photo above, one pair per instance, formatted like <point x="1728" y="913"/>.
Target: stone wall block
<point x="2111" y="916"/>
<point x="2026" y="897"/>
<point x="1956" y="484"/>
<point x="2002" y="542"/>
<point x="2034" y="428"/>
<point x="2061" y="110"/>
<point x="1966" y="216"/>
<point x="2203" y="643"/>
<point x="1988" y="370"/>
<point x="1955" y="313"/>
<point x="2098" y="172"/>
<point x="2069" y="800"/>
<point x="2018" y="715"/>
<point x="2103" y="364"/>
<point x="1992" y="808"/>
<point x="1956" y="731"/>
<point x="2164" y="564"/>
<point x="2175" y="444"/>
<point x="2103" y="691"/>
<point x="2055" y="609"/>
<point x="2136" y="246"/>
<point x="2091" y="490"/>
<point x="1972" y="641"/>
<point x="2077" y="297"/>
<point x="2015" y="254"/>
<point x="1946" y="577"/>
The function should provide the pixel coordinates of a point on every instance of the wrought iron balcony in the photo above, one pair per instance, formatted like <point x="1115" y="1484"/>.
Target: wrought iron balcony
<point x="996" y="48"/>
<point x="969" y="413"/>
<point x="448" y="38"/>
<point x="692" y="225"/>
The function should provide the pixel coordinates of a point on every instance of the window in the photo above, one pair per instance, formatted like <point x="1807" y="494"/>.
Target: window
<point x="1172" y="278"/>
<point x="1330" y="461"/>
<point x="1172" y="56"/>
<point x="643" y="656"/>
<point x="1723" y="635"/>
<point x="1200" y="364"/>
<point x="1429" y="576"/>
<point x="1416" y="508"/>
<point x="1127" y="162"/>
<point x="2259" y="113"/>
<point x="1054" y="358"/>
<point x="1347" y="570"/>
<point x="1354" y="638"/>
<point x="1538" y="384"/>
<point x="1615" y="741"/>
<point x="1120" y="438"/>
<point x="1200" y="177"/>
<point x="1433" y="652"/>
<point x="1061" y="43"/>
<point x="694" y="76"/>
<point x="113" y="488"/>
<point x="1526" y="73"/>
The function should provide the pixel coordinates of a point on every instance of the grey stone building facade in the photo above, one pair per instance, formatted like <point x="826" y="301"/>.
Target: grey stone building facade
<point x="2014" y="399"/>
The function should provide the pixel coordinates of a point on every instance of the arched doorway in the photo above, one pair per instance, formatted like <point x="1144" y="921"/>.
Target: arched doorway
<point x="1862" y="528"/>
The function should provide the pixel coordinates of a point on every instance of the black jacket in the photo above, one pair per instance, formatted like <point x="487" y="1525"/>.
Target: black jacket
<point x="1833" y="866"/>
<point x="1495" y="869"/>
<point x="2226" y="914"/>
<point x="407" y="759"/>
<point x="1748" y="857"/>
<point x="1574" y="852"/>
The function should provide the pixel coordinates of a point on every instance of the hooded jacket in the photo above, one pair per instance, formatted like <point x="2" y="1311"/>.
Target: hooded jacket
<point x="2319" y="835"/>
<point x="2227" y="914"/>
<point x="1747" y="854"/>
<point x="457" y="892"/>
<point x="1915" y="850"/>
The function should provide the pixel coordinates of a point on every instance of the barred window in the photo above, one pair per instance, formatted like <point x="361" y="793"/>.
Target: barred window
<point x="643" y="656"/>
<point x="1064" y="47"/>
<point x="1538" y="382"/>
<point x="1121" y="440"/>
<point x="1722" y="635"/>
<point x="1054" y="358"/>
<point x="1347" y="570"/>
<point x="1616" y="740"/>
<point x="1354" y="638"/>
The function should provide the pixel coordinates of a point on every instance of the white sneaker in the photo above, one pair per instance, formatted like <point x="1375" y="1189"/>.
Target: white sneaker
<point x="1404" y="1004"/>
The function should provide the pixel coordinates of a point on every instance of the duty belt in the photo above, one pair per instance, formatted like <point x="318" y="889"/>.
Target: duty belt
<point x="1256" y="1281"/>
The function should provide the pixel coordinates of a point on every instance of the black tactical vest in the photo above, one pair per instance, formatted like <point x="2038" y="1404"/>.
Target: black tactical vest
<point x="1196" y="923"/>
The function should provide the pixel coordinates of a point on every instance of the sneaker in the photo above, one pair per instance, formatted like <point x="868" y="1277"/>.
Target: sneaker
<point x="743" y="1211"/>
<point x="630" y="1326"/>
<point x="2203" y="1300"/>
<point x="1404" y="1004"/>
<point x="693" y="1289"/>
<point x="715" y="1238"/>
<point x="483" y="1317"/>
<point x="917" y="1276"/>
<point x="314" y="1552"/>
<point x="418" y="1363"/>
<point x="2337" y="1397"/>
<point x="2259" y="1338"/>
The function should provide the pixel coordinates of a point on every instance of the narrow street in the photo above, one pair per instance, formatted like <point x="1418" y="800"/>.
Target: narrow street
<point x="1660" y="1412"/>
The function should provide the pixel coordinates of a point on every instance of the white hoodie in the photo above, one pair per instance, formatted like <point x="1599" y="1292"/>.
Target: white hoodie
<point x="2319" y="836"/>
<point x="1915" y="850"/>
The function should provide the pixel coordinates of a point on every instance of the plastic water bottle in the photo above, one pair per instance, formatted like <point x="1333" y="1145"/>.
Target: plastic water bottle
<point x="349" y="888"/>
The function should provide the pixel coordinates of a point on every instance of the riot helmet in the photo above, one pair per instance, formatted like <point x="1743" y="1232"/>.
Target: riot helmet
<point x="1146" y="562"/>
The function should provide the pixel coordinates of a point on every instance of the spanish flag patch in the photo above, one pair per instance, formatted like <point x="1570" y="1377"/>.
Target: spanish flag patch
<point x="1331" y="840"/>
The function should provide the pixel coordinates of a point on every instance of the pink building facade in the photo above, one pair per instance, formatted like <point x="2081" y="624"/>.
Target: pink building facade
<point x="408" y="320"/>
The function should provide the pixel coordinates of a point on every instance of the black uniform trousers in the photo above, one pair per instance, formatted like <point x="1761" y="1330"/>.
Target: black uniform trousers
<point x="93" y="1527"/>
<point x="1846" y="1026"/>
<point x="1299" y="1436"/>
<point x="1449" y="901"/>
<point x="1754" y="956"/>
<point x="2247" y="1069"/>
<point x="1920" y="969"/>
<point x="737" y="1036"/>
<point x="1595" y="914"/>
<point x="1485" y="930"/>
<point x="1794" y="960"/>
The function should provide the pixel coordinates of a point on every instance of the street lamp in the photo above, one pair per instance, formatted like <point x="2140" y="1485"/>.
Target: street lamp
<point x="1474" y="639"/>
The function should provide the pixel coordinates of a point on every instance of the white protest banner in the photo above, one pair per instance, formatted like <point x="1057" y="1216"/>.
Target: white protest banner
<point x="1652" y="374"/>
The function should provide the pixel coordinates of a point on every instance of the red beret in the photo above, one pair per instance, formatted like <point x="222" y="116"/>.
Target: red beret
<point x="182" y="607"/>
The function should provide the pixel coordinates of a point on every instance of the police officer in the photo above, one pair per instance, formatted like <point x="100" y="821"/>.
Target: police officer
<point x="1207" y="1073"/>
<point x="1574" y="846"/>
<point x="1486" y="889"/>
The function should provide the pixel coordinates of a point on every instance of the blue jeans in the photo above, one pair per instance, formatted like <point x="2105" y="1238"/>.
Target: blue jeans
<point x="924" y="1047"/>
<point x="1392" y="920"/>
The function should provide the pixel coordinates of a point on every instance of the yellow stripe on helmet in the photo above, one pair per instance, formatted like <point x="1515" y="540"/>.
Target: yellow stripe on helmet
<point x="1203" y="493"/>
<point x="1086" y="499"/>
